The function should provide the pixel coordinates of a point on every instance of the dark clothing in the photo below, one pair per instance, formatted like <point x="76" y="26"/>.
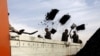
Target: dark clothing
<point x="48" y="35"/>
<point x="64" y="37"/>
<point x="75" y="38"/>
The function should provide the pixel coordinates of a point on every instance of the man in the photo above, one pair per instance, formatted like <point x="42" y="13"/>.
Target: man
<point x="12" y="29"/>
<point x="75" y="37"/>
<point x="65" y="36"/>
<point x="48" y="34"/>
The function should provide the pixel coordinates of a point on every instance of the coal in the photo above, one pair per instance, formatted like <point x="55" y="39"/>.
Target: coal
<point x="52" y="23"/>
<point x="41" y="22"/>
<point x="64" y="19"/>
<point x="51" y="15"/>
<point x="92" y="47"/>
<point x="80" y="27"/>
<point x="53" y="31"/>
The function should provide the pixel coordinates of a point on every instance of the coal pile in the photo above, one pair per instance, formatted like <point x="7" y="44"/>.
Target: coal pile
<point x="64" y="19"/>
<point x="51" y="15"/>
<point x="92" y="47"/>
<point x="80" y="27"/>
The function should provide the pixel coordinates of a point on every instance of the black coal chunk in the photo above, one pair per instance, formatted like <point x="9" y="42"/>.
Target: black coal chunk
<point x="64" y="19"/>
<point x="80" y="27"/>
<point x="51" y="15"/>
<point x="53" y="31"/>
<point x="92" y="47"/>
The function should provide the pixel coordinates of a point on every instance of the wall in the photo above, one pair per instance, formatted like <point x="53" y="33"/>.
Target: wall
<point x="42" y="47"/>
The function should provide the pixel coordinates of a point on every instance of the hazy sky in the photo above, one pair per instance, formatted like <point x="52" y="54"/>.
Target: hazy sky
<point x="28" y="14"/>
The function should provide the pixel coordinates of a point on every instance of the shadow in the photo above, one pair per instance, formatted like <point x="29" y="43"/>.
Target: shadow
<point x="92" y="47"/>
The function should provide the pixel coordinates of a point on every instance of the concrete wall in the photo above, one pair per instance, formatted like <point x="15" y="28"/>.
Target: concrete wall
<point x="42" y="47"/>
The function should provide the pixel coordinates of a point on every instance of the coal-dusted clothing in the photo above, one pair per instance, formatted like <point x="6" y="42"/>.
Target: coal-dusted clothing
<point x="48" y="35"/>
<point x="75" y="38"/>
<point x="64" y="37"/>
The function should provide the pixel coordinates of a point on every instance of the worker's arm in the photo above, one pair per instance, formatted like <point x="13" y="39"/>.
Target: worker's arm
<point x="30" y="33"/>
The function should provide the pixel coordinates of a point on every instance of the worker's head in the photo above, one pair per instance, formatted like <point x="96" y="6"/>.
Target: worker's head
<point x="74" y="32"/>
<point x="66" y="30"/>
<point x="46" y="29"/>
